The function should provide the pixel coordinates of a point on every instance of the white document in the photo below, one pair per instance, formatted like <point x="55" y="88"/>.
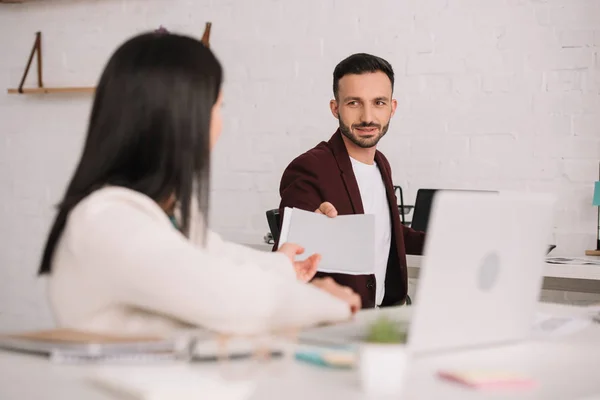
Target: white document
<point x="572" y="261"/>
<point x="175" y="382"/>
<point x="346" y="243"/>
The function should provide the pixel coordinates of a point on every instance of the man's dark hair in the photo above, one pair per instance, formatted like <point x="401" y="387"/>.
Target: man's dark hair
<point x="358" y="64"/>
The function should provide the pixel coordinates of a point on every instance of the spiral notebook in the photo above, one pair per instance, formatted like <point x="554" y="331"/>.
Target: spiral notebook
<point x="72" y="346"/>
<point x="65" y="346"/>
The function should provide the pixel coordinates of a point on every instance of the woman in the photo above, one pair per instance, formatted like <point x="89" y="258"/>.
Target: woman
<point x="128" y="251"/>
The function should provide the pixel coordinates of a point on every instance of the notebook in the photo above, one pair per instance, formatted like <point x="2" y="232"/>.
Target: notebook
<point x="68" y="345"/>
<point x="346" y="243"/>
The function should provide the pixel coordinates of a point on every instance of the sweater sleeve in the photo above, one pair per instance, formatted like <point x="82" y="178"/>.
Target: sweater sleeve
<point x="274" y="262"/>
<point x="152" y="267"/>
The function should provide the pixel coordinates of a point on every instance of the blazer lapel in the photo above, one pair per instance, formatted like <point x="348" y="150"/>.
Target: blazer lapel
<point x="336" y="143"/>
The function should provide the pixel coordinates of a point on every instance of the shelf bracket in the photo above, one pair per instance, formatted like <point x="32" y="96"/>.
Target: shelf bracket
<point x="37" y="48"/>
<point x="206" y="35"/>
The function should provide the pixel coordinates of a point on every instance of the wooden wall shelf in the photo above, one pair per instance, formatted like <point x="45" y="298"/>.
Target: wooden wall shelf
<point x="48" y="90"/>
<point x="37" y="48"/>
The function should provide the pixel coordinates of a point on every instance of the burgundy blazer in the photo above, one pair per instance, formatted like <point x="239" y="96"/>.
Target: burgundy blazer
<point x="325" y="173"/>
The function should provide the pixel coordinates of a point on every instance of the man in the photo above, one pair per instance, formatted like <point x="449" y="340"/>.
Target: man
<point x="347" y="175"/>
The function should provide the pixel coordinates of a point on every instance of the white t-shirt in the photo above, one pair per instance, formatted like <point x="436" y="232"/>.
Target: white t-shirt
<point x="374" y="200"/>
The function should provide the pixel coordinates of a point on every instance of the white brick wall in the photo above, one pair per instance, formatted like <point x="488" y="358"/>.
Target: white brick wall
<point x="497" y="94"/>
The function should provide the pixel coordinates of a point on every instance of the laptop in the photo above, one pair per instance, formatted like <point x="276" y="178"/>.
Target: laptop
<point x="480" y="277"/>
<point x="424" y="203"/>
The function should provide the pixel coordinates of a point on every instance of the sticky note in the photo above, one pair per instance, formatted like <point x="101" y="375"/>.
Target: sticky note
<point x="490" y="379"/>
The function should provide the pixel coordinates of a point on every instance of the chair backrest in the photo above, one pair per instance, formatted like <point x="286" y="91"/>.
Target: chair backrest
<point x="423" y="202"/>
<point x="274" y="221"/>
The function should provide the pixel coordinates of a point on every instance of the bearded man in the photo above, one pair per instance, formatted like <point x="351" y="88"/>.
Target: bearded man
<point x="348" y="175"/>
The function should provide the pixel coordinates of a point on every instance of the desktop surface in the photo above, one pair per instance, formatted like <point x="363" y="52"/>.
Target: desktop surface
<point x="563" y="367"/>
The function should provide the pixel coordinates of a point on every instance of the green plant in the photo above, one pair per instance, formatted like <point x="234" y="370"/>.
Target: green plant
<point x="384" y="330"/>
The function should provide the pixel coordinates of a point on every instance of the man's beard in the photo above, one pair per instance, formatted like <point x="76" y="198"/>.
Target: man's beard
<point x="364" y="143"/>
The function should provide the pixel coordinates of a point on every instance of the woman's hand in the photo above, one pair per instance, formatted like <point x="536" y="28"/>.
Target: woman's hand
<point x="341" y="292"/>
<point x="305" y="270"/>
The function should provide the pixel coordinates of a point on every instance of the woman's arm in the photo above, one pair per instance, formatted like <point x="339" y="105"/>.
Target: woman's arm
<point x="156" y="268"/>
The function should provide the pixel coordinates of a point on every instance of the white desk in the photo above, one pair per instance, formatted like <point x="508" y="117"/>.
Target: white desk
<point x="568" y="278"/>
<point x="565" y="368"/>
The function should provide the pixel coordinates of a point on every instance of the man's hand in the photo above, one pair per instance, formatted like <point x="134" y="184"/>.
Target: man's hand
<point x="341" y="292"/>
<point x="328" y="209"/>
<point x="305" y="270"/>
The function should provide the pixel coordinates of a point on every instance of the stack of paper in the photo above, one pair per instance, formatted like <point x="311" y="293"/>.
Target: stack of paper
<point x="346" y="243"/>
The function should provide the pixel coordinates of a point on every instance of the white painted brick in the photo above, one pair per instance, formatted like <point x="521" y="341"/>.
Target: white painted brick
<point x="560" y="59"/>
<point x="451" y="27"/>
<point x="434" y="64"/>
<point x="532" y="169"/>
<point x="498" y="14"/>
<point x="495" y="61"/>
<point x="564" y="14"/>
<point x="584" y="171"/>
<point x="564" y="81"/>
<point x="223" y="180"/>
<point x="266" y="182"/>
<point x="527" y="37"/>
<point x="466" y="84"/>
<point x="576" y="38"/>
<point x="499" y="83"/>
<point x="587" y="125"/>
<point x="596" y="42"/>
<point x="484" y="123"/>
<point x="508" y="103"/>
<point x="409" y="84"/>
<point x="424" y="103"/>
<point x="565" y="103"/>
<point x="497" y="146"/>
<point x="579" y="241"/>
<point x="470" y="170"/>
<point x="551" y="125"/>
<point x="419" y="42"/>
<point x="415" y="168"/>
<point x="567" y="147"/>
<point x="419" y="125"/>
<point x="440" y="148"/>
<point x="591" y="82"/>
<point x="436" y="84"/>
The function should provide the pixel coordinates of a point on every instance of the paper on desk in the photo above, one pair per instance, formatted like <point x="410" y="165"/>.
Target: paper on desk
<point x="170" y="382"/>
<point x="571" y="261"/>
<point x="547" y="325"/>
<point x="346" y="243"/>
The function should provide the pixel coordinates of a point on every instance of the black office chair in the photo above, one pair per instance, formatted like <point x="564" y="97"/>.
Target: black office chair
<point x="274" y="221"/>
<point x="403" y="209"/>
